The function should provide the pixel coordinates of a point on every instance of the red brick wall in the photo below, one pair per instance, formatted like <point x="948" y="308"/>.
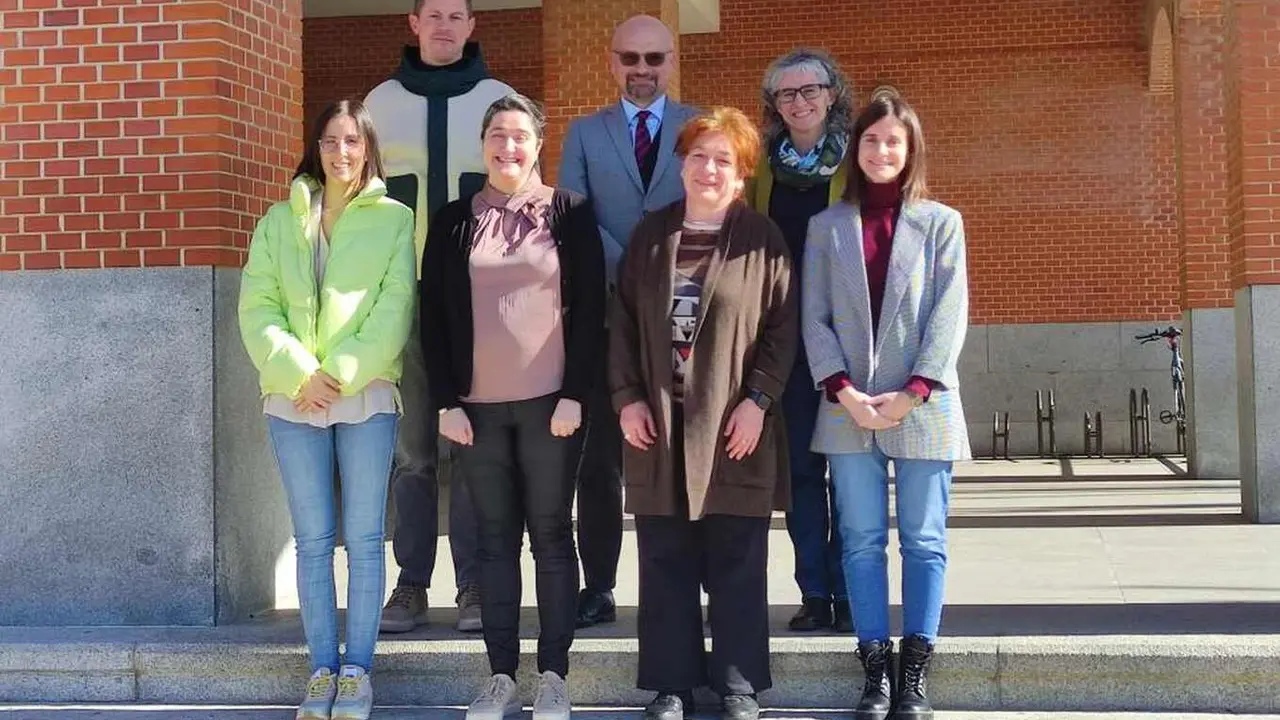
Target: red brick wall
<point x="143" y="134"/>
<point x="1253" y="140"/>
<point x="1202" y="154"/>
<point x="348" y="57"/>
<point x="1040" y="130"/>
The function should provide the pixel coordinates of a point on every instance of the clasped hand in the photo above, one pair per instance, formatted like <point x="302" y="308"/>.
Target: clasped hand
<point x="876" y="412"/>
<point x="318" y="393"/>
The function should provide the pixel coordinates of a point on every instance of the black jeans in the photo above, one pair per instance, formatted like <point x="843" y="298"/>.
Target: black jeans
<point x="520" y="475"/>
<point x="730" y="556"/>
<point x="600" y="490"/>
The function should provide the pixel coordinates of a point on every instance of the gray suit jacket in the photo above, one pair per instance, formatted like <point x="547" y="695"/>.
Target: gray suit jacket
<point x="922" y="326"/>
<point x="599" y="161"/>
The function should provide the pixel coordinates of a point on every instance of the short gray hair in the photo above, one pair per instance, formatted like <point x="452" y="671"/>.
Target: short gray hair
<point x="515" y="102"/>
<point x="820" y="63"/>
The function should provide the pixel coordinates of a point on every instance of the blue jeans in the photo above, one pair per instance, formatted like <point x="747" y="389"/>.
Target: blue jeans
<point x="813" y="534"/>
<point x="305" y="455"/>
<point x="861" y="482"/>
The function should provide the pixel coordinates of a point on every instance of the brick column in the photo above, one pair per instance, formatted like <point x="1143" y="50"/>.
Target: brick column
<point x="1253" y="222"/>
<point x="143" y="135"/>
<point x="575" y="46"/>
<point x="1213" y="440"/>
<point x="142" y="140"/>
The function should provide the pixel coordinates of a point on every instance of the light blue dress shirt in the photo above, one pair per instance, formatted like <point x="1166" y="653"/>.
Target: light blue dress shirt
<point x="654" y="121"/>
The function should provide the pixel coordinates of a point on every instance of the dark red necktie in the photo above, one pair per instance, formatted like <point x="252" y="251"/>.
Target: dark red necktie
<point x="643" y="139"/>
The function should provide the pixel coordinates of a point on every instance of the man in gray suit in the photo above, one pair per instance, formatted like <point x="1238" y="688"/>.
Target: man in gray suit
<point x="623" y="159"/>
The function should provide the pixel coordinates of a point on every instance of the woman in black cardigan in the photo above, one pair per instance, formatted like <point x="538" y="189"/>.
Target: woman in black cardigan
<point x="512" y="306"/>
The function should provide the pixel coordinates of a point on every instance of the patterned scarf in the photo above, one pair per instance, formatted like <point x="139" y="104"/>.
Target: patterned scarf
<point x="813" y="168"/>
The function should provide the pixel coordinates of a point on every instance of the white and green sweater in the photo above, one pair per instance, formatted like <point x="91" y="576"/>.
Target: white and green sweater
<point x="423" y="113"/>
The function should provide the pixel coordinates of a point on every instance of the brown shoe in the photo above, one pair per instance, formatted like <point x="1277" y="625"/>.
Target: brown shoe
<point x="406" y="610"/>
<point x="469" y="618"/>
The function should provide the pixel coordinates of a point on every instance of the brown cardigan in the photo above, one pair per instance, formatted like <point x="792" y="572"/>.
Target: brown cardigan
<point x="745" y="339"/>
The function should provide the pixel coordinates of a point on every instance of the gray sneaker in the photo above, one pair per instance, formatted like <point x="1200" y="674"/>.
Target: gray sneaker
<point x="318" y="703"/>
<point x="406" y="610"/>
<point x="552" y="700"/>
<point x="469" y="609"/>
<point x="355" y="695"/>
<point x="496" y="701"/>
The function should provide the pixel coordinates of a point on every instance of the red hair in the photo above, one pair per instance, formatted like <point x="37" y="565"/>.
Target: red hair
<point x="734" y="124"/>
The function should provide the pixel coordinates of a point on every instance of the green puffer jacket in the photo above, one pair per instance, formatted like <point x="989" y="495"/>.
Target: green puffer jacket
<point x="355" y="326"/>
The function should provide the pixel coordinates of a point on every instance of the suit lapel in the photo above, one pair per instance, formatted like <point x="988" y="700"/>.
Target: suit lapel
<point x="615" y="122"/>
<point x="908" y="244"/>
<point x="666" y="141"/>
<point x="850" y="228"/>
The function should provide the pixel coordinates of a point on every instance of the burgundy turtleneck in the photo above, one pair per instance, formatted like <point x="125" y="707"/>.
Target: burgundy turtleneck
<point x="880" y="204"/>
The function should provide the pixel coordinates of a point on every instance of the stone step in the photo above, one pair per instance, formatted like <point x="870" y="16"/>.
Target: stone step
<point x="391" y="712"/>
<point x="265" y="663"/>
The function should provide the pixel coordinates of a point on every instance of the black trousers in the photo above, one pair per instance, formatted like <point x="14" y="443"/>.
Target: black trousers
<point x="600" y="490"/>
<point x="520" y="476"/>
<point x="729" y="555"/>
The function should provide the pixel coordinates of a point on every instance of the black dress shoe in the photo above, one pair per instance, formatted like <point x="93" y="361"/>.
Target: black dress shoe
<point x="669" y="706"/>
<point x="814" y="614"/>
<point x="595" y="608"/>
<point x="843" y="622"/>
<point x="741" y="707"/>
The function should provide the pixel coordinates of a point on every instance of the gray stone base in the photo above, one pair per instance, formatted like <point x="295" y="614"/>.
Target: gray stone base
<point x="1185" y="673"/>
<point x="1213" y="421"/>
<point x="1258" y="364"/>
<point x="1090" y="367"/>
<point x="134" y="476"/>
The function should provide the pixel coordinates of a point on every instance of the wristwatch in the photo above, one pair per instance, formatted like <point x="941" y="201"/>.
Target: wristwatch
<point x="764" y="402"/>
<point x="916" y="399"/>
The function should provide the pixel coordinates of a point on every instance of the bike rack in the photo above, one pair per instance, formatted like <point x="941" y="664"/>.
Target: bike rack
<point x="1139" y="424"/>
<point x="1046" y="418"/>
<point x="1093" y="434"/>
<point x="998" y="434"/>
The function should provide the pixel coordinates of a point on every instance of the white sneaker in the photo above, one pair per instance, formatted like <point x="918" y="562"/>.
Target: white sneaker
<point x="355" y="694"/>
<point x="318" y="704"/>
<point x="496" y="701"/>
<point x="552" y="700"/>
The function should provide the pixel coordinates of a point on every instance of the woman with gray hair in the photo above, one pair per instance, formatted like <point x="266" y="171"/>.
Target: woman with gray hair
<point x="808" y="113"/>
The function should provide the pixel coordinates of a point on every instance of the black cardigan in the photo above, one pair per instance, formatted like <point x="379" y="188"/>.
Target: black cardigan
<point x="444" y="293"/>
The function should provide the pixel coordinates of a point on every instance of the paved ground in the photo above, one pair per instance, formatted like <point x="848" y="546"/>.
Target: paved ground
<point x="1078" y="547"/>
<point x="396" y="713"/>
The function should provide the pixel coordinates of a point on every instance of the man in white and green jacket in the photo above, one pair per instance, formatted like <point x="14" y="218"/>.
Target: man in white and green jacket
<point x="428" y="118"/>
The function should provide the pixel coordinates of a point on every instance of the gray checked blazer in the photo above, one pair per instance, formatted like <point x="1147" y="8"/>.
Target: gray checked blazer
<point x="922" y="326"/>
<point x="599" y="161"/>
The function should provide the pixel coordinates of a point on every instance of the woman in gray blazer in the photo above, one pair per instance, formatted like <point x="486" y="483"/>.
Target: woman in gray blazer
<point x="884" y="314"/>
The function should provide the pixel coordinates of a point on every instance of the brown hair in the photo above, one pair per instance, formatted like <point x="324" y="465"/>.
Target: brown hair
<point x="742" y="134"/>
<point x="888" y="103"/>
<point x="417" y="7"/>
<point x="354" y="109"/>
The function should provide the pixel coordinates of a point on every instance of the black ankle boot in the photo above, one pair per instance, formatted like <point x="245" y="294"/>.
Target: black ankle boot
<point x="877" y="692"/>
<point x="914" y="655"/>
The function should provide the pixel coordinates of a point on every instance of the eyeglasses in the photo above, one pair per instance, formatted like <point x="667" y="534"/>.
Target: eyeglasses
<point x="808" y="92"/>
<point x="351" y="143"/>
<point x="652" y="59"/>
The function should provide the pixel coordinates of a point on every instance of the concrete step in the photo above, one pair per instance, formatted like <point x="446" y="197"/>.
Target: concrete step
<point x="265" y="662"/>
<point x="262" y="712"/>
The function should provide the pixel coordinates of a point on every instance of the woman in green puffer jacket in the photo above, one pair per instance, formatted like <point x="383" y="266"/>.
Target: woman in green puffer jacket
<point x="325" y="305"/>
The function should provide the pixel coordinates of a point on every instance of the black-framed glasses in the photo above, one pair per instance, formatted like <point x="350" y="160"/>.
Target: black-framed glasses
<point x="808" y="92"/>
<point x="652" y="59"/>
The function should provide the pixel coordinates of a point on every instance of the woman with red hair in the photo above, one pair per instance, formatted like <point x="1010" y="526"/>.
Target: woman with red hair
<point x="702" y="338"/>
